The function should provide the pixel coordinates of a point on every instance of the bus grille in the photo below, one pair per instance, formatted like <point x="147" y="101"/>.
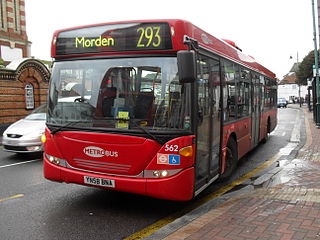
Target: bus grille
<point x="100" y="166"/>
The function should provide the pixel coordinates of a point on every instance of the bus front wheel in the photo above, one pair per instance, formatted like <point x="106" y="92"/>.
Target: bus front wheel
<point x="231" y="159"/>
<point x="266" y="137"/>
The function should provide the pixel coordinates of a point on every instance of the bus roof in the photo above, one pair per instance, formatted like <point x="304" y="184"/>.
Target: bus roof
<point x="163" y="36"/>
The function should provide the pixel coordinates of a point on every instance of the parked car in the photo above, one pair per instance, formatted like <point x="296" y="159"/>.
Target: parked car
<point x="282" y="102"/>
<point x="24" y="136"/>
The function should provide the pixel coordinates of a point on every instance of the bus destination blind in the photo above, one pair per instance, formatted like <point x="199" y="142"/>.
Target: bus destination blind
<point x="114" y="38"/>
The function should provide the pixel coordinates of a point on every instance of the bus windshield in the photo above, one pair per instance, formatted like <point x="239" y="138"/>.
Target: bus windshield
<point x="125" y="93"/>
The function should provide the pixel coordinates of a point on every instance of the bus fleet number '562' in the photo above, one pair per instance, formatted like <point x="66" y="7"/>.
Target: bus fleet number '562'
<point x="171" y="148"/>
<point x="149" y="36"/>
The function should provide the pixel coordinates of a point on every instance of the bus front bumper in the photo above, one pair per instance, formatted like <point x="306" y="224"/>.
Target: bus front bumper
<point x="179" y="187"/>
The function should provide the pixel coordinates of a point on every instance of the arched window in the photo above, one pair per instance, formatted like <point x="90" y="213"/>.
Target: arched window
<point x="29" y="96"/>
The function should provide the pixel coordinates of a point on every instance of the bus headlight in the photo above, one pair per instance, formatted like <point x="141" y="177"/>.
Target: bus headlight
<point x="164" y="173"/>
<point x="55" y="160"/>
<point x="160" y="173"/>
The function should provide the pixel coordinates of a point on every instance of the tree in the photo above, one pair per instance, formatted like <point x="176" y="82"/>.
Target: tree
<point x="305" y="70"/>
<point x="1" y="62"/>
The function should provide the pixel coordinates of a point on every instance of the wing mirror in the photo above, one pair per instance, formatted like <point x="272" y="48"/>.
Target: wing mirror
<point x="187" y="66"/>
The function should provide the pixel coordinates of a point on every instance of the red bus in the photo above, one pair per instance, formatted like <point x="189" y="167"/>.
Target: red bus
<point x="153" y="107"/>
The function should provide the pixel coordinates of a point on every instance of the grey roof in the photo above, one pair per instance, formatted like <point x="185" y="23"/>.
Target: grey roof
<point x="295" y="67"/>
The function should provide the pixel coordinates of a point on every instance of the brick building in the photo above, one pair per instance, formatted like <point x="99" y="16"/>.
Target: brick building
<point x="14" y="42"/>
<point x="24" y="80"/>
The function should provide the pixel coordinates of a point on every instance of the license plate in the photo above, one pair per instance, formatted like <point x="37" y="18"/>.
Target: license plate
<point x="11" y="143"/>
<point x="99" y="181"/>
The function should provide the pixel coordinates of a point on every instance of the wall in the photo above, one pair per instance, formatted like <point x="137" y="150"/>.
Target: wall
<point x="288" y="90"/>
<point x="13" y="82"/>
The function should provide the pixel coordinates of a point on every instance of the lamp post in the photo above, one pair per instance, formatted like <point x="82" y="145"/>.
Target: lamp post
<point x="295" y="70"/>
<point x="316" y="63"/>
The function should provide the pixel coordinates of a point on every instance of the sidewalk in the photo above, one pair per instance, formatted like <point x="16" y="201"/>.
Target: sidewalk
<point x="290" y="210"/>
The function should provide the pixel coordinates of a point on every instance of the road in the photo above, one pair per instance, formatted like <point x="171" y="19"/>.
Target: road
<point x="34" y="208"/>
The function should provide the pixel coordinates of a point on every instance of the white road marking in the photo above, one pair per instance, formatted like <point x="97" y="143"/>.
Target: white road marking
<point x="15" y="164"/>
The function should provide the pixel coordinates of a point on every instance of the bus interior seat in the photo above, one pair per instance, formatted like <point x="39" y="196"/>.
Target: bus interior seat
<point x="107" y="96"/>
<point x="144" y="103"/>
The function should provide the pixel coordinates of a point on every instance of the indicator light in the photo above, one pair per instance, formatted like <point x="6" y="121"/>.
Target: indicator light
<point x="186" y="151"/>
<point x="43" y="138"/>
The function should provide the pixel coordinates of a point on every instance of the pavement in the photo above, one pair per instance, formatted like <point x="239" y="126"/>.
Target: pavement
<point x="284" y="205"/>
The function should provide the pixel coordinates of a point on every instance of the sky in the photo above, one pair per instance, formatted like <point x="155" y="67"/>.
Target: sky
<point x="269" y="30"/>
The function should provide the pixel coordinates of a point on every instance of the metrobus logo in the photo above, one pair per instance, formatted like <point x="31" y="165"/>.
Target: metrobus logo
<point x="99" y="152"/>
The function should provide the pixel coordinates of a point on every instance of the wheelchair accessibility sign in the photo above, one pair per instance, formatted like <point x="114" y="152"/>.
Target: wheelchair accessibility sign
<point x="169" y="159"/>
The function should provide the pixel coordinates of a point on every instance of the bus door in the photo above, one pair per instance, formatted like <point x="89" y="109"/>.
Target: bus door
<point x="209" y="121"/>
<point x="256" y="110"/>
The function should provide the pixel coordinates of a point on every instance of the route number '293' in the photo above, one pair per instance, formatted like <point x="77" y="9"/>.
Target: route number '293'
<point x="148" y="36"/>
<point x="171" y="148"/>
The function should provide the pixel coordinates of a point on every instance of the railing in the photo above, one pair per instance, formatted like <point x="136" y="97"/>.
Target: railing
<point x="6" y="74"/>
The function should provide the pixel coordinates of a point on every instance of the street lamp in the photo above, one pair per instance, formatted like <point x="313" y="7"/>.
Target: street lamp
<point x="295" y="69"/>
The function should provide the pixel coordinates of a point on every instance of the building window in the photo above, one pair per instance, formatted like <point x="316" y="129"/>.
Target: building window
<point x="29" y="96"/>
<point x="16" y="10"/>
<point x="3" y="15"/>
<point x="11" y="54"/>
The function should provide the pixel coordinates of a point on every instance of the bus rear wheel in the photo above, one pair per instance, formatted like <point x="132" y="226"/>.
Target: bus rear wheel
<point x="231" y="159"/>
<point x="266" y="137"/>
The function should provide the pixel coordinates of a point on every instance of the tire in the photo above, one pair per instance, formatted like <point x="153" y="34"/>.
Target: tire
<point x="266" y="137"/>
<point x="231" y="159"/>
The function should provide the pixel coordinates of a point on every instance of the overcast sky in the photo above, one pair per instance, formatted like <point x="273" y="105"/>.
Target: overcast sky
<point x="269" y="30"/>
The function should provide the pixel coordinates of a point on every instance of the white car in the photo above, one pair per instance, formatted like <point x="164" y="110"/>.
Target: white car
<point x="24" y="136"/>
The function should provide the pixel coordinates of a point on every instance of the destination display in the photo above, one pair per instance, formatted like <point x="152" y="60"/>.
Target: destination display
<point x="113" y="38"/>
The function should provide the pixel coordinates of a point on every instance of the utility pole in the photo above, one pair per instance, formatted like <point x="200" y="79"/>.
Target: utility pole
<point x="316" y="63"/>
<point x="299" y="84"/>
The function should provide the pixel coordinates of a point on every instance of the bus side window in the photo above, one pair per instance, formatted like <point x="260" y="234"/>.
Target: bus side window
<point x="273" y="84"/>
<point x="262" y="93"/>
<point x="244" y="94"/>
<point x="230" y="94"/>
<point x="203" y="87"/>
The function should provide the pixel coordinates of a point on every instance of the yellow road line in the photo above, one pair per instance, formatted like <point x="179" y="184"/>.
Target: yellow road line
<point x="162" y="222"/>
<point x="12" y="197"/>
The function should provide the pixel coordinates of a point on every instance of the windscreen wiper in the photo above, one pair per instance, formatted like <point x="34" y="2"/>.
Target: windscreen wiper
<point x="146" y="131"/>
<point x="54" y="131"/>
<point x="134" y="121"/>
